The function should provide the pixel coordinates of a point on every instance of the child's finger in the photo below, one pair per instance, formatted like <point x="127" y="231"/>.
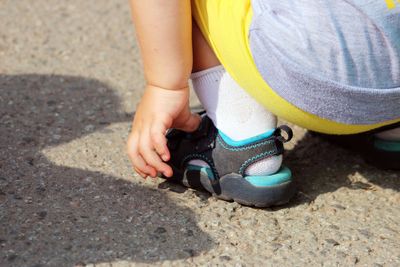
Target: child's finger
<point x="137" y="160"/>
<point x="142" y="174"/>
<point x="189" y="122"/>
<point x="143" y="167"/>
<point x="151" y="157"/>
<point x="159" y="141"/>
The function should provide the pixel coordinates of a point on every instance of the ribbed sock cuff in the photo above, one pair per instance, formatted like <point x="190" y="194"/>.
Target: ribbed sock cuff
<point x="209" y="74"/>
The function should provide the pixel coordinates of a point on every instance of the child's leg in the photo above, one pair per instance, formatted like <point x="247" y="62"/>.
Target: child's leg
<point x="235" y="113"/>
<point x="203" y="56"/>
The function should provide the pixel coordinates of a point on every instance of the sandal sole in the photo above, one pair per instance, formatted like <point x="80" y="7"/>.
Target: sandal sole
<point x="233" y="187"/>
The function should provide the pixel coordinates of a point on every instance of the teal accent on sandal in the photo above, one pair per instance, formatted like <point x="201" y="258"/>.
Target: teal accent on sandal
<point x="207" y="171"/>
<point x="392" y="146"/>
<point x="247" y="141"/>
<point x="282" y="176"/>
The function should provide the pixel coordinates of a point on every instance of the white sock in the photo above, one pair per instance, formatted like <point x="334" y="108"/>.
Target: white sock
<point x="390" y="135"/>
<point x="235" y="113"/>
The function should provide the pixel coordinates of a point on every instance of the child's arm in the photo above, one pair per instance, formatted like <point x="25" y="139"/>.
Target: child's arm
<point x="164" y="33"/>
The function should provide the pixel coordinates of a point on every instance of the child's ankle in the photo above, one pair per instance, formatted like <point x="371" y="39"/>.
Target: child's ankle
<point x="263" y="167"/>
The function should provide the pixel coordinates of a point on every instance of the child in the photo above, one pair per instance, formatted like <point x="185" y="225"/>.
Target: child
<point x="329" y="66"/>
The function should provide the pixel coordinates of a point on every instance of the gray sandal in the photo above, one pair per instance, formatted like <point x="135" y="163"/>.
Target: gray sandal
<point x="225" y="177"/>
<point x="380" y="153"/>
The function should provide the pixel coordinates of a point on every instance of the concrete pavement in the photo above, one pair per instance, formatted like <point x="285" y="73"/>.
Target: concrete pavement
<point x="70" y="78"/>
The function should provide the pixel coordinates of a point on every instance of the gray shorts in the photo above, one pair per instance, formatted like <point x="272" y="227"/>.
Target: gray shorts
<point x="337" y="59"/>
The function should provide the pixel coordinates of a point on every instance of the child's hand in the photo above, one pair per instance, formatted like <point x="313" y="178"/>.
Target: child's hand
<point x="159" y="110"/>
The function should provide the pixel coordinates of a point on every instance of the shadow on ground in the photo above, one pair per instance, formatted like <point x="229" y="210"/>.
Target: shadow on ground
<point x="320" y="166"/>
<point x="60" y="216"/>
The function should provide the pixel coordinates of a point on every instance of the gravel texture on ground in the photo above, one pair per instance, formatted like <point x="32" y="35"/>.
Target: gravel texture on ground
<point x="70" y="78"/>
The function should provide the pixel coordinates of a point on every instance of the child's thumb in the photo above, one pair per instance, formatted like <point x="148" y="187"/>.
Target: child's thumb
<point x="191" y="123"/>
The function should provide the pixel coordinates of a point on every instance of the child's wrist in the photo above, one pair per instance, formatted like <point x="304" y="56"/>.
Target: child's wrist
<point x="170" y="87"/>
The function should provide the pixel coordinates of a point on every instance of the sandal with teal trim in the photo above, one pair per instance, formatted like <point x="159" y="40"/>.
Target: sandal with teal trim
<point x="383" y="154"/>
<point x="225" y="177"/>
